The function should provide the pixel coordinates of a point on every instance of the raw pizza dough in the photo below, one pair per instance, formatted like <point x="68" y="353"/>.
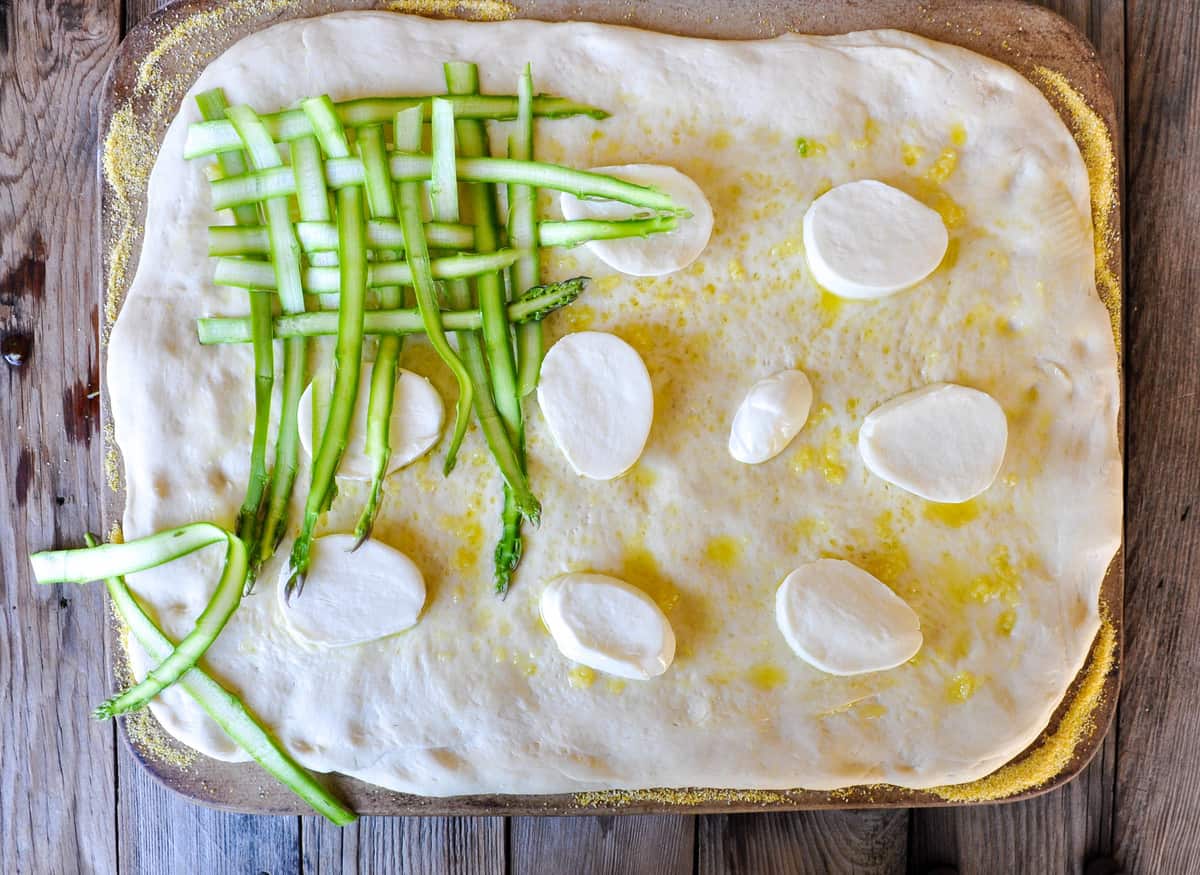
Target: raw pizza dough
<point x="476" y="698"/>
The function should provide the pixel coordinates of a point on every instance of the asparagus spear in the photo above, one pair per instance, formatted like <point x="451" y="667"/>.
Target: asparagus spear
<point x="352" y="264"/>
<point x="382" y="205"/>
<point x="110" y="560"/>
<point x="207" y="138"/>
<point x="285" y="264"/>
<point x="212" y="106"/>
<point x="535" y="304"/>
<point x="225" y="240"/>
<point x="463" y="78"/>
<point x="412" y="167"/>
<point x="522" y="231"/>
<point x="225" y="708"/>
<point x="506" y="453"/>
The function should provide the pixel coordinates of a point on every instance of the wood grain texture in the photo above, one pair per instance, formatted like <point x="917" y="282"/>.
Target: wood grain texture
<point x="56" y="766"/>
<point x="1158" y="756"/>
<point x="416" y="845"/>
<point x="163" y="832"/>
<point x="803" y="843"/>
<point x="606" y="845"/>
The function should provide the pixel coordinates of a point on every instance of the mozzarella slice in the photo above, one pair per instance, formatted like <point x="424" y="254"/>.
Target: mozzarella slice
<point x="657" y="254"/>
<point x="867" y="239"/>
<point x="417" y="418"/>
<point x="351" y="598"/>
<point x="943" y="442"/>
<point x="596" y="396"/>
<point x="609" y="625"/>
<point x="771" y="414"/>
<point x="841" y="620"/>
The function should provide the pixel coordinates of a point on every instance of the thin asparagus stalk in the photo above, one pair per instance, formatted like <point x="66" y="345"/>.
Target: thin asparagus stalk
<point x="412" y="167"/>
<point x="522" y="231"/>
<point x="225" y="708"/>
<point x="535" y="304"/>
<point x="352" y="263"/>
<point x="464" y="78"/>
<point x="387" y="358"/>
<point x="110" y="560"/>
<point x="212" y="106"/>
<point x="207" y="138"/>
<point x="285" y="261"/>
<point x="407" y="135"/>
<point x="458" y="294"/>
<point x="235" y="240"/>
<point x="248" y="273"/>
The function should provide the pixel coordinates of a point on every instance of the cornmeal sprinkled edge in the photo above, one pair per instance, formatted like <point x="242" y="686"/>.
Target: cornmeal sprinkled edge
<point x="128" y="155"/>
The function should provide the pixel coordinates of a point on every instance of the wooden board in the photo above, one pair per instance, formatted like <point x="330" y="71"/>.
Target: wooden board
<point x="1021" y="35"/>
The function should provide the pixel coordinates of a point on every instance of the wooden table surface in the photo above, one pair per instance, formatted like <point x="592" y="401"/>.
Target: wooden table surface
<point x="73" y="800"/>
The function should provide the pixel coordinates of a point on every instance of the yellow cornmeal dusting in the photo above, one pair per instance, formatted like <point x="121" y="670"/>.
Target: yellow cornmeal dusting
<point x="112" y="460"/>
<point x="1054" y="754"/>
<point x="145" y="733"/>
<point x="1095" y="144"/>
<point x="684" y="796"/>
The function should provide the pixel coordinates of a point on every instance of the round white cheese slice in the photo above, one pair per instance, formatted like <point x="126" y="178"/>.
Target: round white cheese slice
<point x="417" y="418"/>
<point x="353" y="597"/>
<point x="595" y="393"/>
<point x="841" y="620"/>
<point x="656" y="254"/>
<point x="771" y="414"/>
<point x="867" y="239"/>
<point x="609" y="625"/>
<point x="943" y="442"/>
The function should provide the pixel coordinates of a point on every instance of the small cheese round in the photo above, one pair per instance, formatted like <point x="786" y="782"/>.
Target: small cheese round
<point x="943" y="442"/>
<point x="867" y="239"/>
<point x="609" y="625"/>
<point x="595" y="393"/>
<point x="657" y="254"/>
<point x="417" y="418"/>
<point x="841" y="620"/>
<point x="771" y="414"/>
<point x="351" y="598"/>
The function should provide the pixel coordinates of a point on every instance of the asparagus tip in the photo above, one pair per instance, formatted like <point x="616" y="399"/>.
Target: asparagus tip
<point x="104" y="711"/>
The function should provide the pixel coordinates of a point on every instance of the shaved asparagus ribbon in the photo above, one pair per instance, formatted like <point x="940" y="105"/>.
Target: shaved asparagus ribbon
<point x="411" y="167"/>
<point x="226" y="240"/>
<point x="111" y="560"/>
<point x="408" y="127"/>
<point x="208" y="138"/>
<point x="225" y="708"/>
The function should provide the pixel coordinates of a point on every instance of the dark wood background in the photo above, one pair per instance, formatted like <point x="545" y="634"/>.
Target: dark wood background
<point x="72" y="799"/>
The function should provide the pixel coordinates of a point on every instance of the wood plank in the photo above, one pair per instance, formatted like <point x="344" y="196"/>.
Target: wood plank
<point x="1056" y="832"/>
<point x="816" y="842"/>
<point x="161" y="831"/>
<point x="606" y="845"/>
<point x="56" y="766"/>
<point x="412" y="845"/>
<point x="1059" y="831"/>
<point x="1159" y="728"/>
